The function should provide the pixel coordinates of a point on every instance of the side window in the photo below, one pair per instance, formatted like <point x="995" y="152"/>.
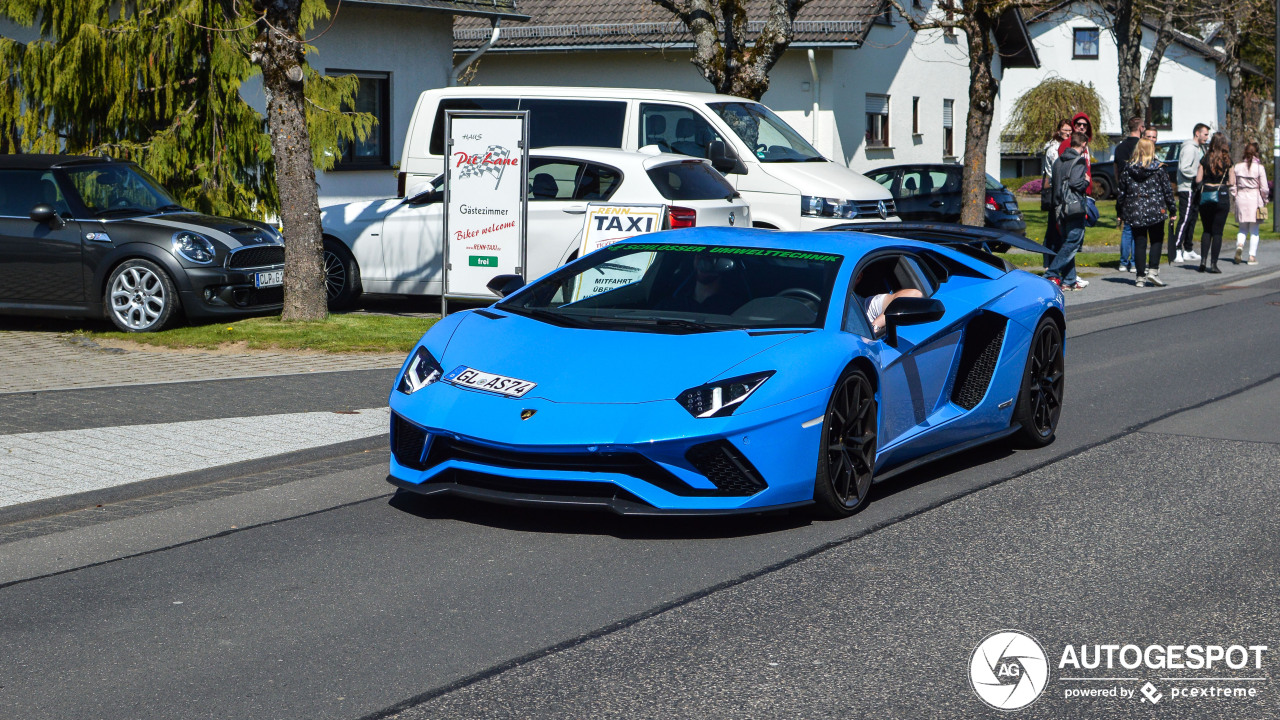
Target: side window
<point x="676" y="129"/>
<point x="575" y="123"/>
<point x="437" y="131"/>
<point x="21" y="190"/>
<point x="915" y="183"/>
<point x="946" y="182"/>
<point x="913" y="275"/>
<point x="884" y="275"/>
<point x="552" y="179"/>
<point x="598" y="182"/>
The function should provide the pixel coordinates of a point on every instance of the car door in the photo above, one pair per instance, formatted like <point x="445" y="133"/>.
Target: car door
<point x="556" y="211"/>
<point x="412" y="248"/>
<point x="40" y="263"/>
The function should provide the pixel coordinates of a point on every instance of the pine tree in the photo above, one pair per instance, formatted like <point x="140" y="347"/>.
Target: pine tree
<point x="158" y="82"/>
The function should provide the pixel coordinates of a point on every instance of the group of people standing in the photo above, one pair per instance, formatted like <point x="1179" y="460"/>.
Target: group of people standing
<point x="1207" y="182"/>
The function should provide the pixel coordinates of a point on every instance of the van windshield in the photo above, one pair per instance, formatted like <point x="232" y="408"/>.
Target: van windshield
<point x="771" y="139"/>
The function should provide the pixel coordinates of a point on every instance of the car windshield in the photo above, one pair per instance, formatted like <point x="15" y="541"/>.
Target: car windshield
<point x="119" y="189"/>
<point x="771" y="139"/>
<point x="656" y="287"/>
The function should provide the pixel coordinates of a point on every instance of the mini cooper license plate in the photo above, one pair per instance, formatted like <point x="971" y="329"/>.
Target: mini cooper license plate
<point x="273" y="278"/>
<point x="477" y="380"/>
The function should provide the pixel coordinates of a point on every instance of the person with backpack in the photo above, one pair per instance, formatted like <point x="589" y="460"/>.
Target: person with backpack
<point x="1250" y="193"/>
<point x="1052" y="239"/>
<point x="1145" y="203"/>
<point x="1070" y="183"/>
<point x="1215" y="176"/>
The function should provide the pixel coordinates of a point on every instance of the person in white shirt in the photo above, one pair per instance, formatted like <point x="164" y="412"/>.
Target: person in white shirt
<point x="1181" y="240"/>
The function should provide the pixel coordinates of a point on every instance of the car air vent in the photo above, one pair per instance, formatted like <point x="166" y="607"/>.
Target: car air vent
<point x="407" y="442"/>
<point x="489" y="315"/>
<point x="256" y="256"/>
<point x="726" y="468"/>
<point x="979" y="352"/>
<point x="246" y="230"/>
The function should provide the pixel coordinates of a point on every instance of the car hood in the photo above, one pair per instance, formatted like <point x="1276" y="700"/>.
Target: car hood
<point x="575" y="365"/>
<point x="232" y="232"/>
<point x="827" y="179"/>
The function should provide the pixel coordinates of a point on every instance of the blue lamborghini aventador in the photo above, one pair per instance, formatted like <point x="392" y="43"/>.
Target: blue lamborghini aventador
<point x="711" y="371"/>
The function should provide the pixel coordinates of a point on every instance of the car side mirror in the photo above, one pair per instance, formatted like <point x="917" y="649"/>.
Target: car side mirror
<point x="910" y="311"/>
<point x="504" y="285"/>
<point x="724" y="159"/>
<point x="46" y="214"/>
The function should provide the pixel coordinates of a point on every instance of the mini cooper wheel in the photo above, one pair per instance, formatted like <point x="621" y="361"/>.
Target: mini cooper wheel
<point x="140" y="297"/>
<point x="847" y="459"/>
<point x="341" y="276"/>
<point x="1040" y="400"/>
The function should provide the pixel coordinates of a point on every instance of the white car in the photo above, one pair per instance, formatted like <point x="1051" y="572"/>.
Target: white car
<point x="394" y="246"/>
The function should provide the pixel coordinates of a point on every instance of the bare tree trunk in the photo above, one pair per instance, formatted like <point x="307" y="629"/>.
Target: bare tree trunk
<point x="278" y="50"/>
<point x="983" y="86"/>
<point x="1135" y="80"/>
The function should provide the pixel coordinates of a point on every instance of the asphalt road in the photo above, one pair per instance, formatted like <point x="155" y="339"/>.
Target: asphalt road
<point x="1149" y="520"/>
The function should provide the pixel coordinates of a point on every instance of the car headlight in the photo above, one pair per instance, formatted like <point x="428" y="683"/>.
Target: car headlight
<point x="722" y="397"/>
<point x="194" y="248"/>
<point x="422" y="371"/>
<point x="811" y="206"/>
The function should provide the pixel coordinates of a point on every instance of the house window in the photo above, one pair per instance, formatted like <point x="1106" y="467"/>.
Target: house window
<point x="877" y="120"/>
<point x="915" y="116"/>
<point x="373" y="96"/>
<point x="1085" y="46"/>
<point x="948" y="128"/>
<point x="1160" y="113"/>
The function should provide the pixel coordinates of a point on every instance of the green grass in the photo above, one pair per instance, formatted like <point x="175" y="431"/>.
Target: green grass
<point x="1107" y="233"/>
<point x="337" y="334"/>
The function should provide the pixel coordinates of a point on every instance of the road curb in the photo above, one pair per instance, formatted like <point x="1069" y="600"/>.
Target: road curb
<point x="183" y="481"/>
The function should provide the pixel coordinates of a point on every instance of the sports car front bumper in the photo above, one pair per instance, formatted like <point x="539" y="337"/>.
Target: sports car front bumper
<point x="640" y="458"/>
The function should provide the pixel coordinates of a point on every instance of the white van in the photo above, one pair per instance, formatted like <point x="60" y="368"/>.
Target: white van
<point x="787" y="183"/>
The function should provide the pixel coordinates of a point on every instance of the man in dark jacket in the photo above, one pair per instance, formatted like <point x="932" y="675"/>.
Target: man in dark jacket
<point x="1070" y="182"/>
<point x="1124" y="151"/>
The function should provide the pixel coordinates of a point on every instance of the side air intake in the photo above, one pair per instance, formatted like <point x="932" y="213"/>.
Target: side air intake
<point x="978" y="355"/>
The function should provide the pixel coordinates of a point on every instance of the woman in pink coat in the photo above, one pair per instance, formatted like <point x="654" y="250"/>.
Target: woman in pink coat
<point x="1250" y="193"/>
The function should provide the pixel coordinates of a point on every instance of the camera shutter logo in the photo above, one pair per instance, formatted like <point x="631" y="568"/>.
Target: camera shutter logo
<point x="1008" y="670"/>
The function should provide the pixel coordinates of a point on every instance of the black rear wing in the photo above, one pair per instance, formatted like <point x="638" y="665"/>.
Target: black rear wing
<point x="980" y="242"/>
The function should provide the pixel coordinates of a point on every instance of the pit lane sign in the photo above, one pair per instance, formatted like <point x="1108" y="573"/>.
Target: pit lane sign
<point x="486" y="181"/>
<point x="607" y="224"/>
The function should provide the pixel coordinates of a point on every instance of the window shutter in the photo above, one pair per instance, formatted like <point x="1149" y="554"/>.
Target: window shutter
<point x="948" y="107"/>
<point x="877" y="104"/>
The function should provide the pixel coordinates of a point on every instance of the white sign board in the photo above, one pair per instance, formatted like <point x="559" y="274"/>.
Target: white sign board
<point x="486" y="185"/>
<point x="607" y="224"/>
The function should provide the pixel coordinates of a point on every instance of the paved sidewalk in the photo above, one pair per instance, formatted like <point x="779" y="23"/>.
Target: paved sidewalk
<point x="32" y="361"/>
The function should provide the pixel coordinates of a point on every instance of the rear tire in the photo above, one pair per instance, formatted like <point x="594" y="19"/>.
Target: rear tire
<point x="1040" y="399"/>
<point x="847" y="453"/>
<point x="1101" y="188"/>
<point x="341" y="276"/>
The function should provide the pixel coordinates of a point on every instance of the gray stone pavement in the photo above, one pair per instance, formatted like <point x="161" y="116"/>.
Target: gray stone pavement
<point x="32" y="360"/>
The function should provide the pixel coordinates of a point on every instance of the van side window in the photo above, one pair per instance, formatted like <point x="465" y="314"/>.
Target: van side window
<point x="675" y="129"/>
<point x="436" y="146"/>
<point x="575" y="123"/>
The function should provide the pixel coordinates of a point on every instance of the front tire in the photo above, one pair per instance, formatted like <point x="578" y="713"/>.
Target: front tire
<point x="140" y="297"/>
<point x="1043" y="380"/>
<point x="341" y="276"/>
<point x="847" y="455"/>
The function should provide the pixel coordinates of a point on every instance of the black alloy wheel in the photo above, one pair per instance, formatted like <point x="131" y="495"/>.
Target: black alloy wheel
<point x="1043" y="382"/>
<point x="341" y="276"/>
<point x="846" y="462"/>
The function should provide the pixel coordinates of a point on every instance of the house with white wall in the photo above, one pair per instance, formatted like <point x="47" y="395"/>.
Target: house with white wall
<point x="1074" y="42"/>
<point x="856" y="82"/>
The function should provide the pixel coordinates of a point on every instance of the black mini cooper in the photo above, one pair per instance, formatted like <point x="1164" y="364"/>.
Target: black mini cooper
<point x="84" y="236"/>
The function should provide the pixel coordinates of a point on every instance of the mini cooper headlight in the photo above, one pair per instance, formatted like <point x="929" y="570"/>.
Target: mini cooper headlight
<point x="194" y="248"/>
<point x="422" y="371"/>
<point x="722" y="397"/>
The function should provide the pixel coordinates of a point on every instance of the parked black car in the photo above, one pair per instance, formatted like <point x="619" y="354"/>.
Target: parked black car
<point x="931" y="193"/>
<point x="84" y="236"/>
<point x="1104" y="173"/>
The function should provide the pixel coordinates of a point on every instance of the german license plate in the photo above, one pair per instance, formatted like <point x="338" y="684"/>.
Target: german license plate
<point x="272" y="278"/>
<point x="477" y="380"/>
